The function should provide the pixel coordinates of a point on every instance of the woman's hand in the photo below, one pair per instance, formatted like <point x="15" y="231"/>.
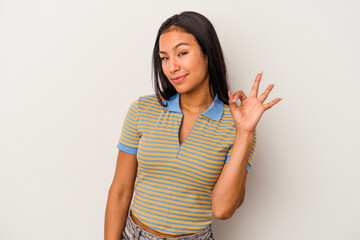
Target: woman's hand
<point x="247" y="115"/>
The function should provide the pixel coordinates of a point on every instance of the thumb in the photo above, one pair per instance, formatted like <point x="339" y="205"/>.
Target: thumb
<point x="232" y="104"/>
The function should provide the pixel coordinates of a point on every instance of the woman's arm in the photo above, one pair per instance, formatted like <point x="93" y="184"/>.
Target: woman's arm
<point x="120" y="196"/>
<point x="229" y="191"/>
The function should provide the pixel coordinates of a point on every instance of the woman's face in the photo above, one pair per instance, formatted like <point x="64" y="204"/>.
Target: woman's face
<point x="183" y="62"/>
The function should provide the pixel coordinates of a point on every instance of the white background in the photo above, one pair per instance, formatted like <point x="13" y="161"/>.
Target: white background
<point x="70" y="68"/>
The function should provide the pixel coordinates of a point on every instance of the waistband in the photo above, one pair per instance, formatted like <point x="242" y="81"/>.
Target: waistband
<point x="133" y="229"/>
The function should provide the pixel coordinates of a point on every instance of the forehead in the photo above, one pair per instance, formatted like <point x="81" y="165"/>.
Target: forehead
<point x="170" y="39"/>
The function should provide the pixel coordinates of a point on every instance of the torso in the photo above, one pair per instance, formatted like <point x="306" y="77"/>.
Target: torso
<point x="187" y="124"/>
<point x="158" y="131"/>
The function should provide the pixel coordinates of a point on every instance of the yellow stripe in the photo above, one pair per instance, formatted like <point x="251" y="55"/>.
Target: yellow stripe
<point x="175" y="144"/>
<point x="160" y="116"/>
<point x="206" y="140"/>
<point x="165" y="133"/>
<point x="154" y="158"/>
<point x="206" y="143"/>
<point x="157" y="154"/>
<point x="211" y="134"/>
<point x="134" y="143"/>
<point x="206" y="157"/>
<point x="158" y="149"/>
<point x="218" y="130"/>
<point x="157" y="118"/>
<point x="161" y="129"/>
<point x="230" y="121"/>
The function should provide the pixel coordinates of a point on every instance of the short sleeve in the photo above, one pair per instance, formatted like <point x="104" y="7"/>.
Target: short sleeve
<point x="130" y="136"/>
<point x="252" y="151"/>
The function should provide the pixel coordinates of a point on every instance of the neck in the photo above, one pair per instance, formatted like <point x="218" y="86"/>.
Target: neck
<point x="196" y="102"/>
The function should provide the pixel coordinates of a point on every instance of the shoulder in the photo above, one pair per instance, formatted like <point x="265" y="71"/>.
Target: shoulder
<point x="148" y="102"/>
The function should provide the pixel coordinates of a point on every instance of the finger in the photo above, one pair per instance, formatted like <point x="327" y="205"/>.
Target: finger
<point x="272" y="103"/>
<point x="255" y="88"/>
<point x="239" y="95"/>
<point x="232" y="104"/>
<point x="265" y="94"/>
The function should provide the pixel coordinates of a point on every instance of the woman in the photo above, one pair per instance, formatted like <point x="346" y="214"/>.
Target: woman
<point x="189" y="146"/>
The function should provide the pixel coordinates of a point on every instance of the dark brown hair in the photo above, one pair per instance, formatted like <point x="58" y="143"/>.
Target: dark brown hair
<point x="204" y="32"/>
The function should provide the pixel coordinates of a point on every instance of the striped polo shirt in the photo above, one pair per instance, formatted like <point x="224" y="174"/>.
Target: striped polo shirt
<point x="174" y="182"/>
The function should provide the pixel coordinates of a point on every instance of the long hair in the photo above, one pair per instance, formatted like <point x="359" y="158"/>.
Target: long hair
<point x="204" y="32"/>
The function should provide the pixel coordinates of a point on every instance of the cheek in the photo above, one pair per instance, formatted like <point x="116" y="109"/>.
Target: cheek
<point x="200" y="63"/>
<point x="164" y="69"/>
<point x="200" y="67"/>
<point x="190" y="65"/>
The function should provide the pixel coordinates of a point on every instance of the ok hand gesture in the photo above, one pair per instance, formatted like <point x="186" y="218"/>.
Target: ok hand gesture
<point x="247" y="115"/>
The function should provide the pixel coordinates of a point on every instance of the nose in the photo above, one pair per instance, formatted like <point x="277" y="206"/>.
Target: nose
<point x="173" y="65"/>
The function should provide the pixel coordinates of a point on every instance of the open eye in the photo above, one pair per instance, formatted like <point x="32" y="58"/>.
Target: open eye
<point x="163" y="58"/>
<point x="182" y="53"/>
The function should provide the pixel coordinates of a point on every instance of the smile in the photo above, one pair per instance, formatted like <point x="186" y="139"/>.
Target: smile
<point x="179" y="79"/>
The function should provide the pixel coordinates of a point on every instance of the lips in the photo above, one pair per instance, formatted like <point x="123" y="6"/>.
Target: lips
<point x="178" y="79"/>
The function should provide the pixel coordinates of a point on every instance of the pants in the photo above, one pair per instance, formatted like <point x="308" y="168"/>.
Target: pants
<point x="132" y="231"/>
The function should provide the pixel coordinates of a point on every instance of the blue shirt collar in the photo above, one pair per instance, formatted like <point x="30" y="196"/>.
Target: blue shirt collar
<point x="214" y="112"/>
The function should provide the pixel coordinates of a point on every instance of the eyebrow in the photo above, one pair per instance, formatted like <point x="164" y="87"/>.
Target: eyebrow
<point x="176" y="46"/>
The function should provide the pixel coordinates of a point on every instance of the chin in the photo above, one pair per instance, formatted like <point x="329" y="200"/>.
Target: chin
<point x="181" y="89"/>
